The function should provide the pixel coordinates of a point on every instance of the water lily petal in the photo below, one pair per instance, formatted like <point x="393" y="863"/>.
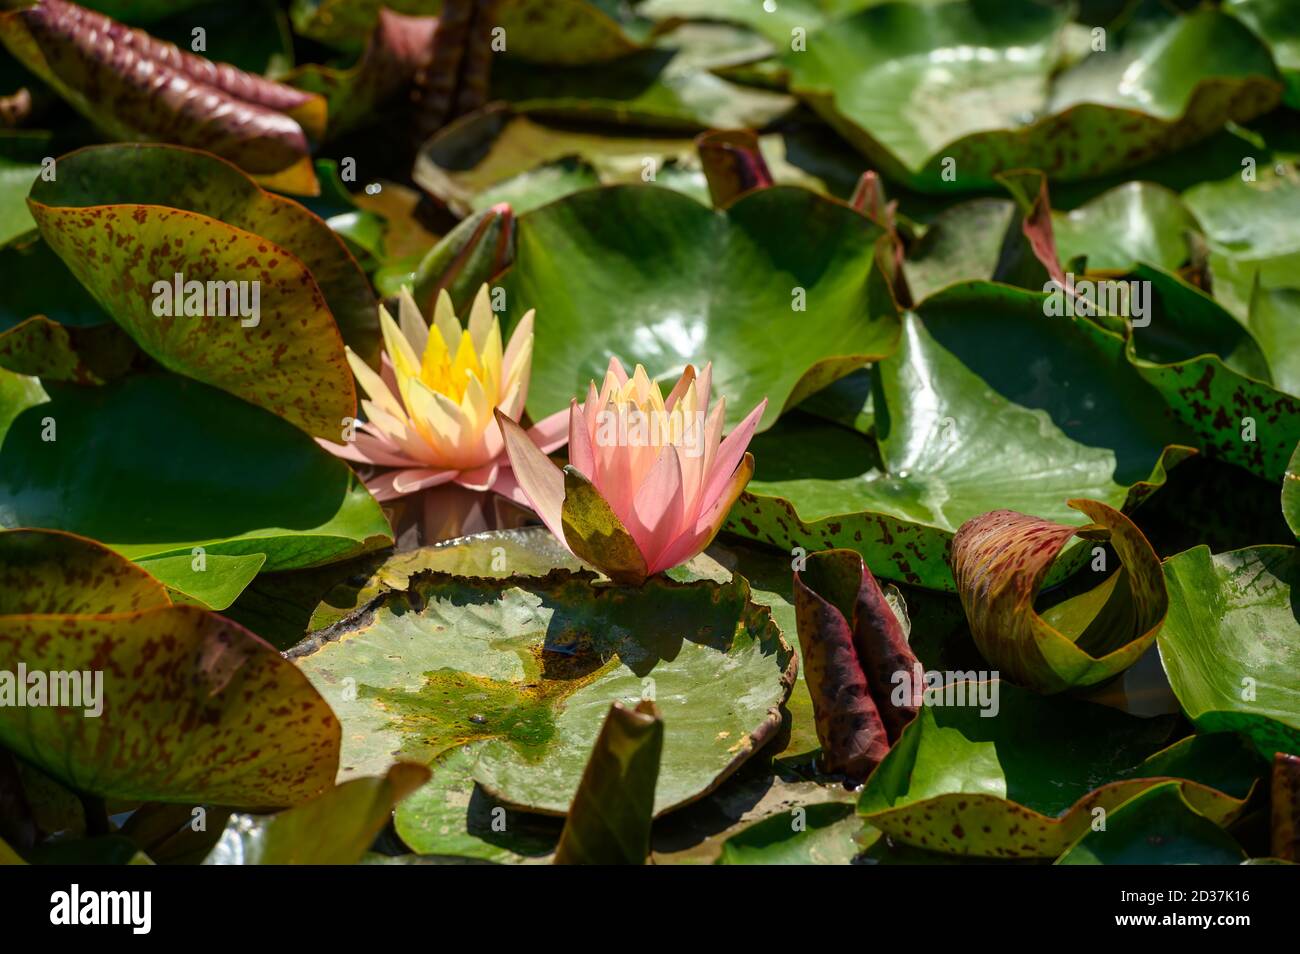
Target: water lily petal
<point x="729" y="454"/>
<point x="551" y="432"/>
<point x="411" y="322"/>
<point x="542" y="482"/>
<point x="399" y="483"/>
<point x="444" y="319"/>
<point x="655" y="519"/>
<point x="480" y="478"/>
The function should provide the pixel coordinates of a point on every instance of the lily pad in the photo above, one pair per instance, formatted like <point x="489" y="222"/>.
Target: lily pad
<point x="50" y="572"/>
<point x="655" y="278"/>
<point x="1291" y="493"/>
<point x="670" y="85"/>
<point x="1026" y="781"/>
<point x="335" y="828"/>
<point x="182" y="685"/>
<point x="124" y="218"/>
<point x="962" y="430"/>
<point x="822" y="834"/>
<point x="1275" y="23"/>
<point x="1231" y="643"/>
<point x="212" y="581"/>
<point x="1132" y="223"/>
<point x="998" y="104"/>
<point x="229" y="478"/>
<point x="530" y="667"/>
<point x="1156" y="827"/>
<point x="50" y="326"/>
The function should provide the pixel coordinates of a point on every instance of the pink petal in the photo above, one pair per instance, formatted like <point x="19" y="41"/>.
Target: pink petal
<point x="399" y="483"/>
<point x="729" y="454"/>
<point x="366" y="454"/>
<point x="580" y="452"/>
<point x="542" y="481"/>
<point x="481" y="478"/>
<point x="708" y="524"/>
<point x="656" y="516"/>
<point x="679" y="389"/>
<point x="616" y="368"/>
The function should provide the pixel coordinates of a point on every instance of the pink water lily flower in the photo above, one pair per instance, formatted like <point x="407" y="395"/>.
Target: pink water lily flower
<point x="431" y="412"/>
<point x="650" y="480"/>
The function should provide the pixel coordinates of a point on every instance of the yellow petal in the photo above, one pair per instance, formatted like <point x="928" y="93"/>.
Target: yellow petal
<point x="444" y="318"/>
<point x="411" y="321"/>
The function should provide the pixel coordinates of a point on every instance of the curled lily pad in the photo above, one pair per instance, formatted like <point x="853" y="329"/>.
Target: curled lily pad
<point x="48" y="571"/>
<point x="1000" y="103"/>
<point x="999" y="561"/>
<point x="599" y="265"/>
<point x="222" y="715"/>
<point x="962" y="430"/>
<point x="1156" y="827"/>
<point x="135" y="87"/>
<point x="529" y="666"/>
<point x="1231" y="643"/>
<point x="398" y="49"/>
<point x="230" y="480"/>
<point x="1131" y="223"/>
<point x="609" y="820"/>
<point x="1026" y="780"/>
<point x="335" y="828"/>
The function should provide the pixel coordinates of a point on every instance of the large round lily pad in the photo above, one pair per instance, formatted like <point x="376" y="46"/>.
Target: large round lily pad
<point x="946" y="95"/>
<point x="1231" y="642"/>
<point x="963" y="427"/>
<point x="157" y="465"/>
<point x="531" y="665"/>
<point x="651" y="276"/>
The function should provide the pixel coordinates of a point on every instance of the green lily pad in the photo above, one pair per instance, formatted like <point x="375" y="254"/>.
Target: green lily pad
<point x="822" y="834"/>
<point x="530" y="666"/>
<point x="1231" y="642"/>
<point x="335" y="828"/>
<point x="451" y="816"/>
<point x="651" y="276"/>
<point x="998" y="104"/>
<point x="775" y="20"/>
<point x="962" y="430"/>
<point x="531" y="551"/>
<point x="1274" y="22"/>
<point x="18" y="392"/>
<point x="228" y="478"/>
<point x="1156" y="827"/>
<point x="1132" y="223"/>
<point x="125" y="217"/>
<point x="670" y="85"/>
<point x="213" y="582"/>
<point x="1027" y="782"/>
<point x="1208" y="372"/>
<point x="49" y="572"/>
<point x="186" y="687"/>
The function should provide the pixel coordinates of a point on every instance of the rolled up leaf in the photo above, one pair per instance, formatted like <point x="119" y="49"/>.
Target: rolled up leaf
<point x="733" y="164"/>
<point x="849" y="725"/>
<point x="999" y="562"/>
<point x="1285" y="797"/>
<point x="133" y="87"/>
<point x="609" y="820"/>
<point x="473" y="253"/>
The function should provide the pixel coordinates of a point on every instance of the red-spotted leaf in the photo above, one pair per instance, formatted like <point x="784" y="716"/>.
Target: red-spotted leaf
<point x="202" y="269"/>
<point x="49" y="571"/>
<point x="1285" y="797"/>
<point x="1000" y="560"/>
<point x="134" y="87"/>
<point x="853" y="647"/>
<point x="399" y="48"/>
<point x="175" y="704"/>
